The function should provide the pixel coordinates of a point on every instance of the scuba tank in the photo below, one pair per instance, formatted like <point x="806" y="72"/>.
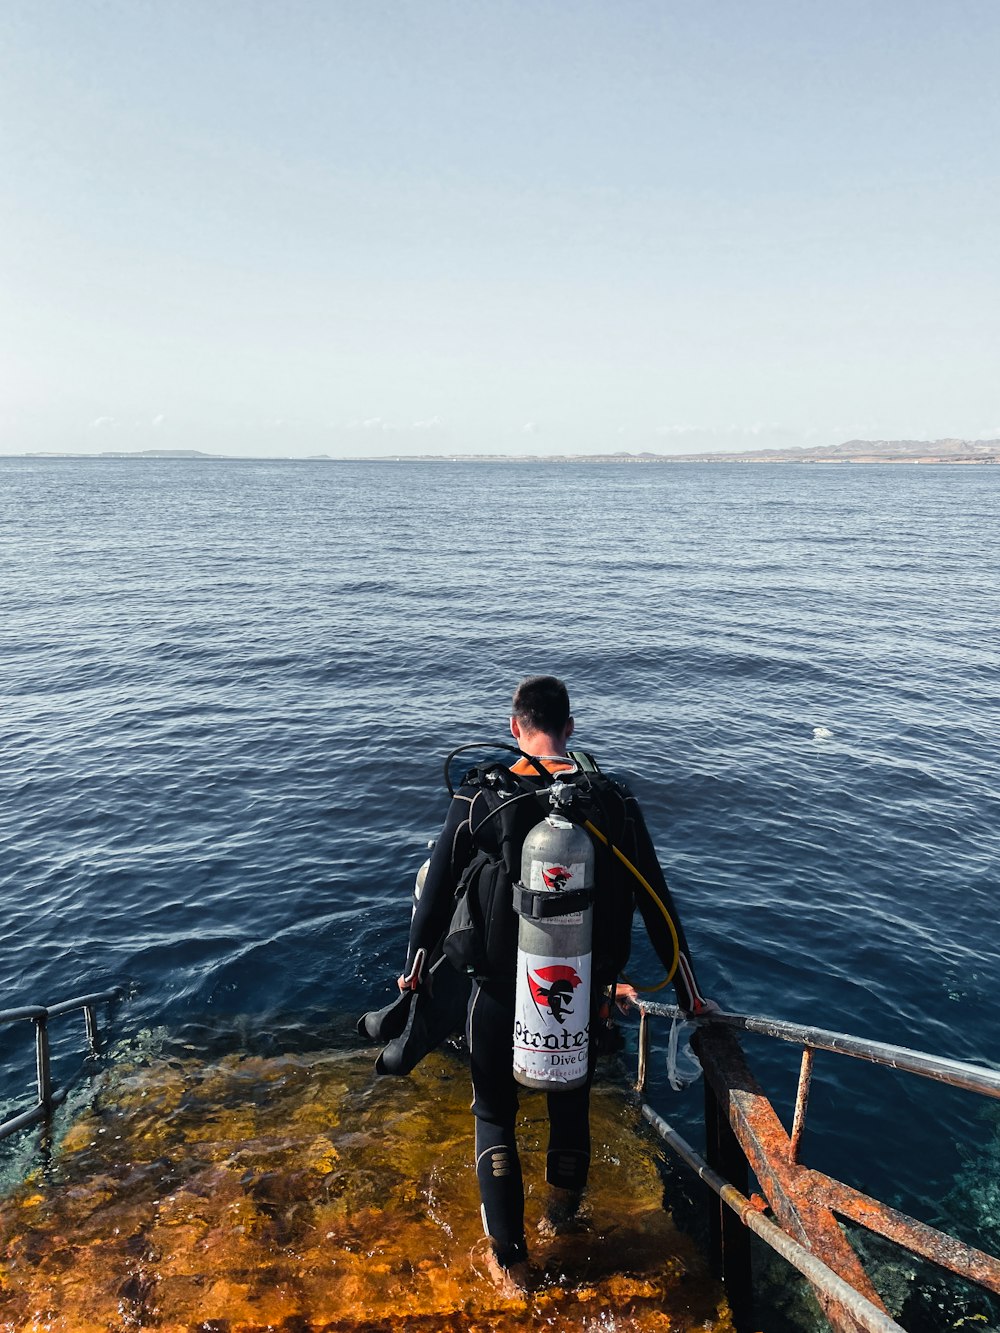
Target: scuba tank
<point x="554" y="902"/>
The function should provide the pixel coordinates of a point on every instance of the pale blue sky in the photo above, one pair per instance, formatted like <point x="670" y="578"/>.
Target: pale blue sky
<point x="369" y="228"/>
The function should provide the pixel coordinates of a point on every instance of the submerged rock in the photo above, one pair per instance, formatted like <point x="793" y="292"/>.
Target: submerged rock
<point x="303" y="1194"/>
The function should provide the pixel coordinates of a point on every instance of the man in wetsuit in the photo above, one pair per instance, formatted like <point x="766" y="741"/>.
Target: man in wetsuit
<point x="542" y="725"/>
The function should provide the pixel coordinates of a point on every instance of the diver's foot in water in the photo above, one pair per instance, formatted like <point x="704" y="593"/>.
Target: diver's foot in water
<point x="513" y="1282"/>
<point x="562" y="1216"/>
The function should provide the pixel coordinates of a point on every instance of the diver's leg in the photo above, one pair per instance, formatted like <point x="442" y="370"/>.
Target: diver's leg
<point x="567" y="1162"/>
<point x="498" y="1168"/>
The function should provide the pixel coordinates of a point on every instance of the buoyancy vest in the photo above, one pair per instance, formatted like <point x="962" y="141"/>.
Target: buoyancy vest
<point x="482" y="938"/>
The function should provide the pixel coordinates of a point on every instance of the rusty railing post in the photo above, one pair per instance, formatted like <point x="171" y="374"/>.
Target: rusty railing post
<point x="801" y="1102"/>
<point x="729" y="1239"/>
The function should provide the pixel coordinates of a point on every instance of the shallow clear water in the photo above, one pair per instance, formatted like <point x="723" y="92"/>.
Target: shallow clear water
<point x="295" y="1194"/>
<point x="228" y="686"/>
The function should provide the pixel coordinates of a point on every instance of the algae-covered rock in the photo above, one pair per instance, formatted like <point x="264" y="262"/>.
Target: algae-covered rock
<point x="304" y="1194"/>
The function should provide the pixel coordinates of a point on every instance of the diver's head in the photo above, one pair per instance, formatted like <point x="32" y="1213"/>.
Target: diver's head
<point x="541" y="722"/>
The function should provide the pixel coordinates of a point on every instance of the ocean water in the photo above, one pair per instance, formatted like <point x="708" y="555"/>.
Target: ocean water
<point x="228" y="687"/>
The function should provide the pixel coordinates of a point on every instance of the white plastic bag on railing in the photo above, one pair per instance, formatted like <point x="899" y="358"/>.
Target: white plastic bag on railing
<point x="683" y="1066"/>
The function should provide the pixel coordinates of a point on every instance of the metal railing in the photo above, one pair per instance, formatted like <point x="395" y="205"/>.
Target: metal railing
<point x="744" y="1134"/>
<point x="50" y="1096"/>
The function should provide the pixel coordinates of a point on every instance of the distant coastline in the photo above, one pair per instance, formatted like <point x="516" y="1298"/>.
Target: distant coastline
<point x="952" y="451"/>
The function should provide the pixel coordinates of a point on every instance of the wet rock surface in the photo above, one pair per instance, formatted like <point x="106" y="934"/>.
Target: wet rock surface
<point x="301" y="1193"/>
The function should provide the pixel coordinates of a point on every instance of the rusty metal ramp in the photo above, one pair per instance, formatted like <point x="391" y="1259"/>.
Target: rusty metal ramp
<point x="300" y="1193"/>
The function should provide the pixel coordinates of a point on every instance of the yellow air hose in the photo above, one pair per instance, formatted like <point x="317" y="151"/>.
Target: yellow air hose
<point x="656" y="899"/>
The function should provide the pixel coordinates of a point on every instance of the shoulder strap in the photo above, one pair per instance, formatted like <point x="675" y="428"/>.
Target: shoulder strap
<point x="584" y="761"/>
<point x="504" y="794"/>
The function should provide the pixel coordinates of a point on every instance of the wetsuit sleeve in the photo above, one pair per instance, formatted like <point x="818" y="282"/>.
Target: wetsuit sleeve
<point x="437" y="899"/>
<point x="689" y="996"/>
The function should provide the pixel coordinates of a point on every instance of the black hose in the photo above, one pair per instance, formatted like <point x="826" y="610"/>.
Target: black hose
<point x="497" y="809"/>
<point x="490" y="745"/>
<point x="473" y="745"/>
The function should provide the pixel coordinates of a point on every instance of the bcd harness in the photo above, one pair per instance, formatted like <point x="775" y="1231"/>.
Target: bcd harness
<point x="482" y="938"/>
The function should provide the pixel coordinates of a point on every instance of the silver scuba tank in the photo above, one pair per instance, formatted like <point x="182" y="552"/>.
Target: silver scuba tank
<point x="554" y="902"/>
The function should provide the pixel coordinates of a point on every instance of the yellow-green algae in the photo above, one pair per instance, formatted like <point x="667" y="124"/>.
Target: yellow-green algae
<point x="304" y="1194"/>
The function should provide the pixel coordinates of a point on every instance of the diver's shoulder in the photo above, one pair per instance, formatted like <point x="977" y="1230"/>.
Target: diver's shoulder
<point x="613" y="777"/>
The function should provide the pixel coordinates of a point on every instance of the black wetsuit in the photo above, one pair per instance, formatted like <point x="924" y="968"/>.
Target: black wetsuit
<point x="468" y="829"/>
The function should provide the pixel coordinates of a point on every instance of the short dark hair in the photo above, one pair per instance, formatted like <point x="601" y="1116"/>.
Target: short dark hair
<point x="541" y="703"/>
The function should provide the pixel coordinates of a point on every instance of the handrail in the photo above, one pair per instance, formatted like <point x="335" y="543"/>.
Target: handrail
<point x="39" y="1014"/>
<point x="743" y="1132"/>
<point x="956" y="1073"/>
<point x="26" y="1011"/>
<point x="867" y="1315"/>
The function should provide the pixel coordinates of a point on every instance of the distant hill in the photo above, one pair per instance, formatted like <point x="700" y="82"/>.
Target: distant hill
<point x="869" y="451"/>
<point x="129" y="453"/>
<point x="852" y="451"/>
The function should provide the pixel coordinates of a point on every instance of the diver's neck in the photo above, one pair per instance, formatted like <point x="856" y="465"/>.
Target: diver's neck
<point x="540" y="745"/>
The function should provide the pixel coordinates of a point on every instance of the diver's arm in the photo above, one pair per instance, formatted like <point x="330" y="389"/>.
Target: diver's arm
<point x="685" y="982"/>
<point x="437" y="898"/>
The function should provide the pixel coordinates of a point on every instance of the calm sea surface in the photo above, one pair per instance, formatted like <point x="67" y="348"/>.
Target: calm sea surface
<point x="228" y="686"/>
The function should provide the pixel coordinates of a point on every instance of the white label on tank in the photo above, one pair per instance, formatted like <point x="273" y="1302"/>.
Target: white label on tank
<point x="556" y="876"/>
<point x="552" y="1018"/>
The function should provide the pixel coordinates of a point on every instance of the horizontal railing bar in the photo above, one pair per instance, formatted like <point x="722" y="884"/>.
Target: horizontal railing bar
<point x="956" y="1073"/>
<point x="22" y="1121"/>
<point x="38" y="1112"/>
<point x="34" y="1011"/>
<point x="868" y="1316"/>
<point x="35" y="1113"/>
<point x="37" y="1011"/>
<point x="66" y="1006"/>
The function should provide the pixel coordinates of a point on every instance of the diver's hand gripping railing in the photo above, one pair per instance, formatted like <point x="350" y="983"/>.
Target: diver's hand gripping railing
<point x="744" y="1132"/>
<point x="39" y="1014"/>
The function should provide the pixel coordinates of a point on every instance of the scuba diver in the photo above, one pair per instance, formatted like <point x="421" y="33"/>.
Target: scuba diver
<point x="544" y="941"/>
